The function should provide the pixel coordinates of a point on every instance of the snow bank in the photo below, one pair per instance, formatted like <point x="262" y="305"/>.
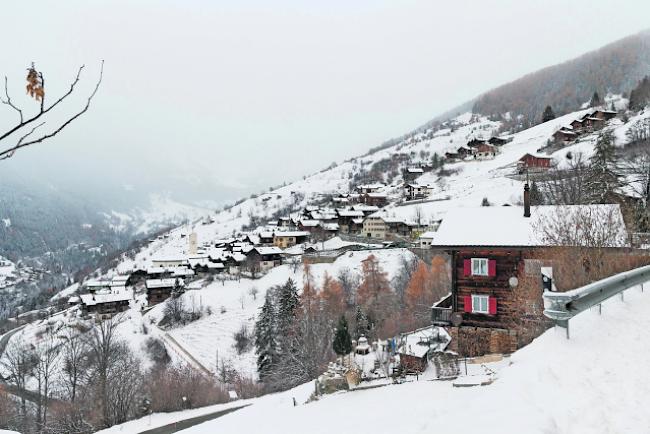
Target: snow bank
<point x="593" y="383"/>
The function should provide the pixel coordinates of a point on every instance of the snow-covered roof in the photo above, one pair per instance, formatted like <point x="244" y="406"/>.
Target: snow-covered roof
<point x="162" y="283"/>
<point x="415" y="170"/>
<point x="268" y="250"/>
<point x="109" y="297"/>
<point x="428" y="235"/>
<point x="291" y="234"/>
<point x="350" y="213"/>
<point x="507" y="226"/>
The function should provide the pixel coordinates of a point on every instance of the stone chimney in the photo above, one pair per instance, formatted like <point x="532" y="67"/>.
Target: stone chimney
<point x="526" y="200"/>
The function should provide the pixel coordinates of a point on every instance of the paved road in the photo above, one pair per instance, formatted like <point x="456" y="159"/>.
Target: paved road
<point x="187" y="423"/>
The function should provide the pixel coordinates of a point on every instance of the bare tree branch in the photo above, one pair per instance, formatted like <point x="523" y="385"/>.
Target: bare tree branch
<point x="21" y="143"/>
<point x="9" y="103"/>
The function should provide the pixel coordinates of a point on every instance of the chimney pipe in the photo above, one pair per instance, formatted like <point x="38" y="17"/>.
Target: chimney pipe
<point x="526" y="200"/>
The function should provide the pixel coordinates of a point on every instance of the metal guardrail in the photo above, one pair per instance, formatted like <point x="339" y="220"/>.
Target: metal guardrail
<point x="562" y="306"/>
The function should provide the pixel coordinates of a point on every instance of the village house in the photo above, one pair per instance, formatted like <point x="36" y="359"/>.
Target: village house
<point x="475" y="143"/>
<point x="496" y="302"/>
<point x="464" y="152"/>
<point x="374" y="227"/>
<point x="533" y="163"/>
<point x="366" y="209"/>
<point x="452" y="156"/>
<point x="417" y="191"/>
<point x="233" y="261"/>
<point x="497" y="141"/>
<point x="412" y="173"/>
<point x="289" y="238"/>
<point x="347" y="220"/>
<point x="564" y="135"/>
<point x="265" y="258"/>
<point x="370" y="188"/>
<point x="577" y="125"/>
<point x="375" y="199"/>
<point x="159" y="290"/>
<point x="105" y="303"/>
<point x="485" y="152"/>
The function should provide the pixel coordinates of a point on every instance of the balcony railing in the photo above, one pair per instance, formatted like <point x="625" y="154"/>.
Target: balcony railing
<point x="441" y="315"/>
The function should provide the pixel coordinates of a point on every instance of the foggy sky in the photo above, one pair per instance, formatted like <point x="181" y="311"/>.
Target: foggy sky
<point x="227" y="97"/>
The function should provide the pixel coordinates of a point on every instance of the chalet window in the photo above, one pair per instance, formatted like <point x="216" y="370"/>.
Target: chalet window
<point x="479" y="267"/>
<point x="480" y="304"/>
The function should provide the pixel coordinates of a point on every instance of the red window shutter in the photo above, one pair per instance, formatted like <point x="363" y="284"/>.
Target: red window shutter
<point x="467" y="303"/>
<point x="492" y="305"/>
<point x="492" y="267"/>
<point x="467" y="267"/>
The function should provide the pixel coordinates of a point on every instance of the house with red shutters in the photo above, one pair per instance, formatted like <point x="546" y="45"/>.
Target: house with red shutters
<point x="497" y="257"/>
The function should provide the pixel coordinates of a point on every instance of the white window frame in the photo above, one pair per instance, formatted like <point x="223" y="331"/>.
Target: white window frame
<point x="480" y="267"/>
<point x="476" y="303"/>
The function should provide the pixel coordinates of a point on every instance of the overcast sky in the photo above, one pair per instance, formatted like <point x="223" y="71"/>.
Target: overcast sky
<point x="247" y="94"/>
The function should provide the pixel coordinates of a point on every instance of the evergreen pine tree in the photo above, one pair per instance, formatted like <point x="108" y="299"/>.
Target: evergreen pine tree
<point x="536" y="197"/>
<point x="548" y="114"/>
<point x="595" y="100"/>
<point x="342" y="344"/>
<point x="603" y="179"/>
<point x="265" y="338"/>
<point x="361" y="322"/>
<point x="288" y="303"/>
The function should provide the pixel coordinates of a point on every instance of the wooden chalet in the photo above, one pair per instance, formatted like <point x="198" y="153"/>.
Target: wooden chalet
<point x="577" y="125"/>
<point x="347" y="220"/>
<point x="485" y="152"/>
<point x="604" y="115"/>
<point x="465" y="151"/>
<point x="105" y="303"/>
<point x="533" y="163"/>
<point x="475" y="143"/>
<point x="159" y="290"/>
<point x="375" y="199"/>
<point x="564" y="135"/>
<point x="497" y="141"/>
<point x="497" y="260"/>
<point x="265" y="258"/>
<point x="417" y="191"/>
<point x="452" y="155"/>
<point x="412" y="173"/>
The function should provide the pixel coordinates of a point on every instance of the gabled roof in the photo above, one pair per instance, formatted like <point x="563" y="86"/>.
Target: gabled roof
<point x="162" y="283"/>
<point x="268" y="250"/>
<point x="108" y="297"/>
<point x="291" y="234"/>
<point x="506" y="226"/>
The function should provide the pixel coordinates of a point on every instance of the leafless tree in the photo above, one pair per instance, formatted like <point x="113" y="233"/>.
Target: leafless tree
<point x="583" y="226"/>
<point x="24" y="132"/>
<point x="567" y="186"/>
<point x="75" y="359"/>
<point x="349" y="282"/>
<point x="253" y="292"/>
<point x="104" y="346"/>
<point x="18" y="363"/>
<point x="46" y="356"/>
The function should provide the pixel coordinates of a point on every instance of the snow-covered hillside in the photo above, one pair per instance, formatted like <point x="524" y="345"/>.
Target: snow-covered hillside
<point x="593" y="383"/>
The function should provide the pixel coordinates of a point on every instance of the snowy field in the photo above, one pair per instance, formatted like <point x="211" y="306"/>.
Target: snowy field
<point x="594" y="383"/>
<point x="232" y="305"/>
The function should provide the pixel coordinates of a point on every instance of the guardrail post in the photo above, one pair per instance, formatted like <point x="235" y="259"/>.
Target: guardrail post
<point x="622" y="295"/>
<point x="600" y="309"/>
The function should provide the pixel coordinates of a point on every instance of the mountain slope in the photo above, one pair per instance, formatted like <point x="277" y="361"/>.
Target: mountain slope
<point x="614" y="68"/>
